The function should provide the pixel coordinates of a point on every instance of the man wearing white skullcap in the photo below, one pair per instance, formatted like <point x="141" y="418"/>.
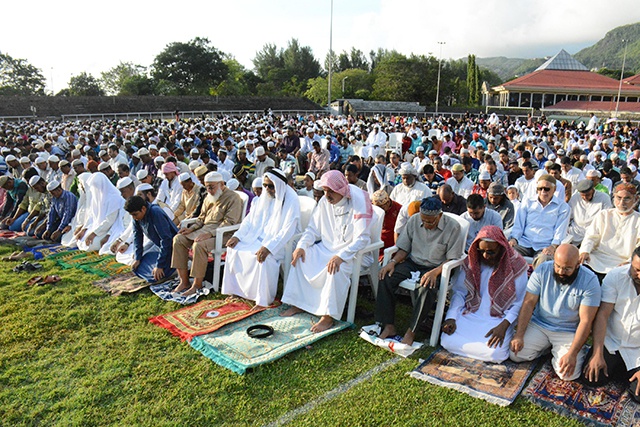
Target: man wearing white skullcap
<point x="63" y="208"/>
<point x="222" y="207"/>
<point x="36" y="202"/>
<point x="191" y="198"/>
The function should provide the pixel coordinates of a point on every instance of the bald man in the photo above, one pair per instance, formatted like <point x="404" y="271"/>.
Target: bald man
<point x="559" y="306"/>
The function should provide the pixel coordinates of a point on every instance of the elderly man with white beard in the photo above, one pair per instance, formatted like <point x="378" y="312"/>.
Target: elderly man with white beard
<point x="323" y="260"/>
<point x="256" y="250"/>
<point x="221" y="207"/>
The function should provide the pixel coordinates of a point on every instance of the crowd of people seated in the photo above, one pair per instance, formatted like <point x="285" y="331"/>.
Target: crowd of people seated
<point x="560" y="197"/>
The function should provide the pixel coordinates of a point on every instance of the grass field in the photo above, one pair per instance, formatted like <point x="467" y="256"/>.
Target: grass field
<point x="73" y="355"/>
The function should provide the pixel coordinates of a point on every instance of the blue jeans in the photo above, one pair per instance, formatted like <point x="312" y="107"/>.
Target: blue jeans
<point x="17" y="224"/>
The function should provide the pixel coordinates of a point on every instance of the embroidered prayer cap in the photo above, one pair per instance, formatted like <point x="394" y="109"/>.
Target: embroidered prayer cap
<point x="64" y="163"/>
<point x="379" y="198"/>
<point x="201" y="170"/>
<point x="407" y="169"/>
<point x="237" y="170"/>
<point x="184" y="177"/>
<point x="123" y="182"/>
<point x="144" y="187"/>
<point x="457" y="168"/>
<point x="496" y="189"/>
<point x="546" y="177"/>
<point x="213" y="177"/>
<point x="257" y="183"/>
<point x="431" y="206"/>
<point x="169" y="167"/>
<point x="53" y="185"/>
<point x="34" y="180"/>
<point x="142" y="174"/>
<point x="102" y="166"/>
<point x="484" y="176"/>
<point x="3" y="180"/>
<point x="337" y="182"/>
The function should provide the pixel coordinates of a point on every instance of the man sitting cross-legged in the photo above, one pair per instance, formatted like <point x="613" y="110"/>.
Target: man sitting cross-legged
<point x="425" y="244"/>
<point x="256" y="250"/>
<point x="323" y="260"/>
<point x="486" y="300"/>
<point x="222" y="207"/>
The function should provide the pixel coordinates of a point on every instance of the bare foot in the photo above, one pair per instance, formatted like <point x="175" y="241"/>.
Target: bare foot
<point x="181" y="287"/>
<point x="388" y="331"/>
<point x="291" y="311"/>
<point x="408" y="337"/>
<point x="325" y="323"/>
<point x="257" y="307"/>
<point x="192" y="290"/>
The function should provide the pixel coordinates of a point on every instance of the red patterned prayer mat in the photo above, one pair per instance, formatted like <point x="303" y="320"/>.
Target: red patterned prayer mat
<point x="610" y="405"/>
<point x="205" y="317"/>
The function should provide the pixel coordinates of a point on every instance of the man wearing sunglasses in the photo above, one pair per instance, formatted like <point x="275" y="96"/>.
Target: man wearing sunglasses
<point x="541" y="223"/>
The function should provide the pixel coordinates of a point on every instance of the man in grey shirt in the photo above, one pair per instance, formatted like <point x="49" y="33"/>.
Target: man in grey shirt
<point x="426" y="243"/>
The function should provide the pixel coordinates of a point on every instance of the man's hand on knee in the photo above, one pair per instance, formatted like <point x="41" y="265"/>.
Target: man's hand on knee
<point x="517" y="344"/>
<point x="297" y="254"/>
<point x="202" y="237"/>
<point x="567" y="364"/>
<point x="333" y="266"/>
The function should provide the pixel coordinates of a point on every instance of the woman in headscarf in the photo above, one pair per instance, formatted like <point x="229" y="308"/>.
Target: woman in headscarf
<point x="486" y="300"/>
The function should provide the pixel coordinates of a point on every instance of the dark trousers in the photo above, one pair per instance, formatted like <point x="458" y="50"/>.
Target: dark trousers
<point x="616" y="369"/>
<point x="421" y="298"/>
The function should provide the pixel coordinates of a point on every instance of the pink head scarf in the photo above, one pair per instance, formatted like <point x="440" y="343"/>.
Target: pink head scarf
<point x="337" y="182"/>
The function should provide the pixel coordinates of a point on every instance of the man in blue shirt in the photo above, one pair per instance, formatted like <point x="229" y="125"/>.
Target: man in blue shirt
<point x="561" y="301"/>
<point x="151" y="221"/>
<point x="63" y="208"/>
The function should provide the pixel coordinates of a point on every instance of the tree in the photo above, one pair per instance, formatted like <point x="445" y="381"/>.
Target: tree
<point x="473" y="82"/>
<point x="127" y="78"/>
<point x="358" y="84"/>
<point x="18" y="77"/>
<point x="413" y="79"/>
<point x="268" y="59"/>
<point x="191" y="68"/>
<point x="84" y="84"/>
<point x="239" y="81"/>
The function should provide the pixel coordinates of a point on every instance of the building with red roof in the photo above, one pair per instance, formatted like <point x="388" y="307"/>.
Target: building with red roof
<point x="563" y="83"/>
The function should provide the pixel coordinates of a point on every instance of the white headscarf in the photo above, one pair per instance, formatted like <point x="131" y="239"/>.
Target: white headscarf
<point x="103" y="199"/>
<point x="381" y="173"/>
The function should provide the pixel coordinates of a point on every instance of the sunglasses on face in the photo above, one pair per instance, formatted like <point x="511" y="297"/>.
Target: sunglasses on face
<point x="486" y="252"/>
<point x="269" y="186"/>
<point x="545" y="189"/>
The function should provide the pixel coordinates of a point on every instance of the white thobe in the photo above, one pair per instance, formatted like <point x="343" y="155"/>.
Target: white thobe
<point x="463" y="188"/>
<point x="405" y="195"/>
<point x="310" y="287"/>
<point x="582" y="214"/>
<point x="170" y="192"/>
<point x="469" y="337"/>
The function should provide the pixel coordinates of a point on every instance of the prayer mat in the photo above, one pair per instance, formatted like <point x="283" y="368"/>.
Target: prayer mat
<point x="497" y="383"/>
<point x="205" y="317"/>
<point x="108" y="267"/>
<point x="610" y="405"/>
<point x="125" y="283"/>
<point x="74" y="259"/>
<point x="45" y="251"/>
<point x="165" y="291"/>
<point x="231" y="347"/>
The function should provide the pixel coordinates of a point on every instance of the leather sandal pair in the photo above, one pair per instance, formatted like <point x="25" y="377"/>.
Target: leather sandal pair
<point x="44" y="280"/>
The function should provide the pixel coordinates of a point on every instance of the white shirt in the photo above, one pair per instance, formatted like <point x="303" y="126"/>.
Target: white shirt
<point x="405" y="195"/>
<point x="463" y="188"/>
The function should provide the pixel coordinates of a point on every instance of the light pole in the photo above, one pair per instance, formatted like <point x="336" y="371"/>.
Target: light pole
<point x="330" y="55"/>
<point x="624" y="58"/>
<point x="439" y="68"/>
<point x="345" y="78"/>
<point x="53" y="92"/>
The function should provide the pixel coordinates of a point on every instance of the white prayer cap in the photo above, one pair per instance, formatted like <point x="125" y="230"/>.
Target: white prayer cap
<point x="407" y="169"/>
<point x="53" y="185"/>
<point x="484" y="176"/>
<point x="163" y="150"/>
<point x="310" y="129"/>
<point x="213" y="177"/>
<point x="233" y="184"/>
<point x="77" y="162"/>
<point x="10" y="158"/>
<point x="159" y="159"/>
<point x="41" y="160"/>
<point x="552" y="156"/>
<point x="142" y="174"/>
<point x="592" y="173"/>
<point x="143" y="152"/>
<point x="123" y="182"/>
<point x="144" y="187"/>
<point x="311" y="175"/>
<point x="193" y="165"/>
<point x="87" y="149"/>
<point x="257" y="183"/>
<point x="420" y="148"/>
<point x="260" y="151"/>
<point x="241" y="145"/>
<point x="54" y="158"/>
<point x="194" y="151"/>
<point x="633" y="168"/>
<point x="102" y="153"/>
<point x="317" y="185"/>
<point x="63" y="163"/>
<point x="34" y="180"/>
<point x="75" y="152"/>
<point x="102" y="166"/>
<point x="433" y="152"/>
<point x="539" y="151"/>
<point x="184" y="177"/>
<point x="153" y="147"/>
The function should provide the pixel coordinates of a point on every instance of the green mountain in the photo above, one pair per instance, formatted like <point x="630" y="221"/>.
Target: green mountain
<point x="609" y="51"/>
<point x="507" y="68"/>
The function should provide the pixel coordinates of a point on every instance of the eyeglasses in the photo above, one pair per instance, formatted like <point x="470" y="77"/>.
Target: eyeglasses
<point x="545" y="189"/>
<point x="269" y="186"/>
<point x="210" y="187"/>
<point x="623" y="199"/>
<point x="563" y="269"/>
<point x="486" y="252"/>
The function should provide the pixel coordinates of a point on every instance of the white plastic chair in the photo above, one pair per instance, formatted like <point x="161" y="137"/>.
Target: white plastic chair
<point x="395" y="142"/>
<point x="445" y="278"/>
<point x="373" y="248"/>
<point x="220" y="249"/>
<point x="307" y="205"/>
<point x="434" y="132"/>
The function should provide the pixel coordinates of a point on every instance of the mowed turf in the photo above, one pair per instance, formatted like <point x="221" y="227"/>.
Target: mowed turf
<point x="74" y="355"/>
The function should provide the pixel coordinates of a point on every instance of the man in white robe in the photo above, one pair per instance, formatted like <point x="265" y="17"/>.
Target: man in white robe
<point x="170" y="191"/>
<point x="585" y="204"/>
<point x="410" y="189"/>
<point x="70" y="238"/>
<point x="103" y="219"/>
<point x="486" y="300"/>
<point x="256" y="250"/>
<point x="320" y="278"/>
<point x="613" y="235"/>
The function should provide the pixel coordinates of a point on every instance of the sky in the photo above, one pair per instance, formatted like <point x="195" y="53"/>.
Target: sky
<point x="66" y="37"/>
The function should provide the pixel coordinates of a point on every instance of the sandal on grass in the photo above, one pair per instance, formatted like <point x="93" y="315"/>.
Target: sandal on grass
<point x="50" y="280"/>
<point x="36" y="280"/>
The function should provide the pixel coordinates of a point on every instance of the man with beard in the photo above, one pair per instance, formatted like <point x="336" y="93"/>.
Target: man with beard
<point x="222" y="207"/>
<point x="559" y="306"/>
<point x="410" y="189"/>
<point x="257" y="249"/>
<point x="615" y="354"/>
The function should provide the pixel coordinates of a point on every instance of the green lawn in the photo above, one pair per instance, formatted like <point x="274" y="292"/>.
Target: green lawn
<point x="73" y="355"/>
